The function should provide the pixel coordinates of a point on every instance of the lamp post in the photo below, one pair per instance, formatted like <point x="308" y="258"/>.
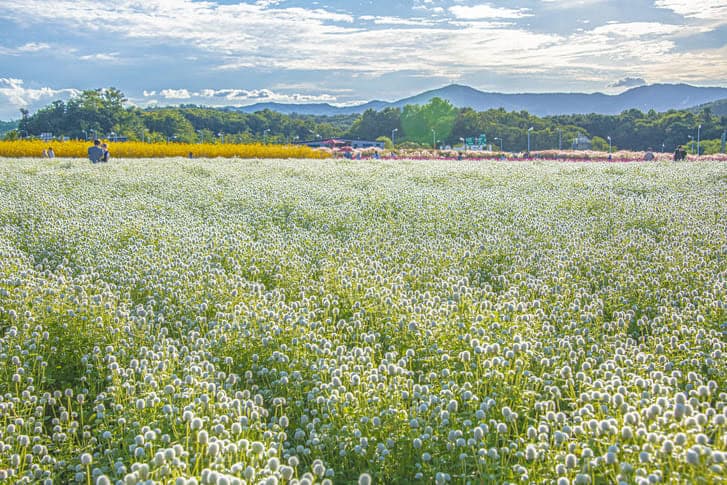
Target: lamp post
<point x="434" y="139"/>
<point x="699" y="129"/>
<point x="393" y="134"/>
<point x="691" y="144"/>
<point x="529" y="130"/>
<point x="85" y="135"/>
<point x="609" y="146"/>
<point x="662" y="147"/>
<point x="265" y="135"/>
<point x="498" y="138"/>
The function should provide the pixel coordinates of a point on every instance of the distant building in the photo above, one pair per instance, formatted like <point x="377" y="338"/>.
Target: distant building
<point x="342" y="142"/>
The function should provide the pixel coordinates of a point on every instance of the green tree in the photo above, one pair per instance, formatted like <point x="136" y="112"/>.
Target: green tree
<point x="372" y="124"/>
<point x="170" y="124"/>
<point x="430" y="122"/>
<point x="387" y="142"/>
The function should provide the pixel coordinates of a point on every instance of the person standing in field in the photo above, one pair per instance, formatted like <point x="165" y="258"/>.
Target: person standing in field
<point x="96" y="153"/>
<point x="44" y="154"/>
<point x="51" y="153"/>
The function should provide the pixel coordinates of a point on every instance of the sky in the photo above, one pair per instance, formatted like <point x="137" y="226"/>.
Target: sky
<point x="232" y="53"/>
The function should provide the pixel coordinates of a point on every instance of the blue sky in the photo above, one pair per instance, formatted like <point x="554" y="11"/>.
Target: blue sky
<point x="223" y="53"/>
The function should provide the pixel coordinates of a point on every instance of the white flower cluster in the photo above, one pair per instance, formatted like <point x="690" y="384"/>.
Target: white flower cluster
<point x="300" y="322"/>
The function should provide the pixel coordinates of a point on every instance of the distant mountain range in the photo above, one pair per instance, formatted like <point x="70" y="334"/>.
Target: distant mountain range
<point x="659" y="97"/>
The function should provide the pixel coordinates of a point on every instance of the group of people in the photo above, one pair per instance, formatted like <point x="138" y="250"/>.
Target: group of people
<point x="99" y="152"/>
<point x="49" y="153"/>
<point x="680" y="154"/>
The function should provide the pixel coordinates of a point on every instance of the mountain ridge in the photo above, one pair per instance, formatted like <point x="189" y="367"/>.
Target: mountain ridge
<point x="660" y="97"/>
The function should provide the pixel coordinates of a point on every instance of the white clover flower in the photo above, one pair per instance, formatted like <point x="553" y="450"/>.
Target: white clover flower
<point x="692" y="457"/>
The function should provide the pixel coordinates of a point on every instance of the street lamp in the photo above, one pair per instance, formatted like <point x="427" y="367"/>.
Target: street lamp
<point x="393" y="134"/>
<point x="529" y="130"/>
<point x="498" y="138"/>
<point x="699" y="128"/>
<point x="662" y="147"/>
<point x="434" y="139"/>
<point x="265" y="135"/>
<point x="609" y="146"/>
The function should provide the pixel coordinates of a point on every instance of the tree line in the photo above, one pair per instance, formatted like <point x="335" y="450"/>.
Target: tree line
<point x="103" y="113"/>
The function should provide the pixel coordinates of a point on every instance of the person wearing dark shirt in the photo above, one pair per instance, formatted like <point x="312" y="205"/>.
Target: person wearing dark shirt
<point x="95" y="153"/>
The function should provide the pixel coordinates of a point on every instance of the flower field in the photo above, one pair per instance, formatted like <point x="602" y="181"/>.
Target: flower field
<point x="135" y="149"/>
<point x="391" y="321"/>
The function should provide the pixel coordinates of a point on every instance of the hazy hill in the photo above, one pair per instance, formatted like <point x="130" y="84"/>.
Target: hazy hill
<point x="659" y="97"/>
<point x="718" y="108"/>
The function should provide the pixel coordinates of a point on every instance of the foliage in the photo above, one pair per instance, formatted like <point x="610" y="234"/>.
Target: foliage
<point x="388" y="144"/>
<point x="101" y="112"/>
<point x="428" y="123"/>
<point x="373" y="124"/>
<point x="7" y="127"/>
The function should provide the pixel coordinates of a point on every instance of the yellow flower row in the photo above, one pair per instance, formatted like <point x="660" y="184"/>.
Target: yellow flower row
<point x="135" y="149"/>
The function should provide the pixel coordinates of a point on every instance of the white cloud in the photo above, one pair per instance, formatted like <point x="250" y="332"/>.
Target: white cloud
<point x="703" y="9"/>
<point x="33" y="47"/>
<point x="567" y="4"/>
<point x="239" y="96"/>
<point x="486" y="11"/>
<point x="27" y="48"/>
<point x="14" y="96"/>
<point x="397" y="21"/>
<point x="635" y="30"/>
<point x="175" y="94"/>
<point x="466" y="41"/>
<point x="101" y="57"/>
<point x="628" y="82"/>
